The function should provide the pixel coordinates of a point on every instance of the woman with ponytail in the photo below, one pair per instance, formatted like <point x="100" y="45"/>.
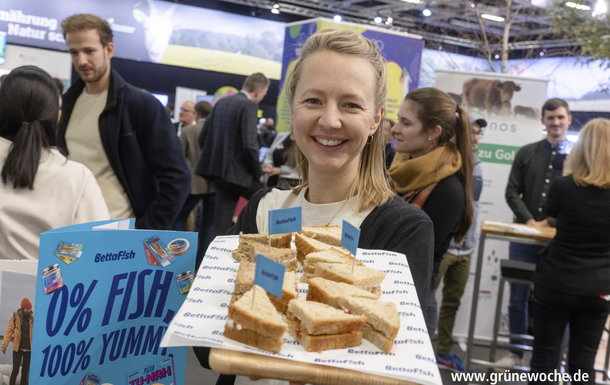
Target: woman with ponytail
<point x="40" y="189"/>
<point x="432" y="169"/>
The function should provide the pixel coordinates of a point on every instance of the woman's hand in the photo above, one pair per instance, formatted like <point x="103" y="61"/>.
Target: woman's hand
<point x="272" y="170"/>
<point x="4" y="350"/>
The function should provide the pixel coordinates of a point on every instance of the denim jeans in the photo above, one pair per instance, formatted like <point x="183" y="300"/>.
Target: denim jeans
<point x="552" y="311"/>
<point x="519" y="293"/>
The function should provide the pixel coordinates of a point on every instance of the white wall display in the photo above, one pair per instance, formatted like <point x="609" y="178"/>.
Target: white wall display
<point x="495" y="98"/>
<point x="57" y="64"/>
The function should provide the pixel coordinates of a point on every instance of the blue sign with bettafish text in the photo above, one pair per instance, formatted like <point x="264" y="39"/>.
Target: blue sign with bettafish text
<point x="269" y="275"/>
<point x="350" y="236"/>
<point x="284" y="221"/>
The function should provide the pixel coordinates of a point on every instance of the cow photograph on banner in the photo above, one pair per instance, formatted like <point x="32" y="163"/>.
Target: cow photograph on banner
<point x="511" y="106"/>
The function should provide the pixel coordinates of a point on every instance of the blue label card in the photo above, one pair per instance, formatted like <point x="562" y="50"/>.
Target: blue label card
<point x="284" y="221"/>
<point x="269" y="275"/>
<point x="350" y="236"/>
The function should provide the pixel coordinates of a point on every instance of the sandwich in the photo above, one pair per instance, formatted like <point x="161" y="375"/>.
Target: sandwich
<point x="331" y="255"/>
<point x="286" y="257"/>
<point x="320" y="327"/>
<point x="330" y="235"/>
<point x="382" y="320"/>
<point x="306" y="245"/>
<point x="328" y="292"/>
<point x="256" y="324"/>
<point x="362" y="277"/>
<point x="245" y="280"/>
<point x="246" y="241"/>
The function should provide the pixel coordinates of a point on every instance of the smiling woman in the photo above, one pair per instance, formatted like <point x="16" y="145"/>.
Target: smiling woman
<point x="337" y="93"/>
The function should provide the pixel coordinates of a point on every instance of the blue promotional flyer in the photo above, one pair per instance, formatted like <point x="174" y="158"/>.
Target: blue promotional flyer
<point x="104" y="298"/>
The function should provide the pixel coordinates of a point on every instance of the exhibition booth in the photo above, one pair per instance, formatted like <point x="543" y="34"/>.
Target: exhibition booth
<point x="179" y="52"/>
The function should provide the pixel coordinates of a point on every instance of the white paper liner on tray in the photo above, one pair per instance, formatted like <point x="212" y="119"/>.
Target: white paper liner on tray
<point x="201" y="319"/>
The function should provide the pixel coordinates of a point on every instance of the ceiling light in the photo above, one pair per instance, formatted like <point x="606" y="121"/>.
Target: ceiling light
<point x="471" y="5"/>
<point x="337" y="18"/>
<point x="541" y="53"/>
<point x="492" y="17"/>
<point x="377" y="19"/>
<point x="276" y="5"/>
<point x="497" y="56"/>
<point x="412" y="1"/>
<point x="600" y="7"/>
<point x="426" y="12"/>
<point x="276" y="11"/>
<point x="389" y="21"/>
<point x="578" y="6"/>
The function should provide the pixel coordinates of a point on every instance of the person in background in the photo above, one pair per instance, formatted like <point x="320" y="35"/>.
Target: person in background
<point x="266" y="133"/>
<point x="572" y="279"/>
<point x="455" y="266"/>
<point x="201" y="190"/>
<point x="20" y="328"/>
<point x="122" y="134"/>
<point x="188" y="116"/>
<point x="388" y="137"/>
<point x="40" y="189"/>
<point x="229" y="149"/>
<point x="279" y="163"/>
<point x="432" y="170"/>
<point x="337" y="96"/>
<point x="532" y="172"/>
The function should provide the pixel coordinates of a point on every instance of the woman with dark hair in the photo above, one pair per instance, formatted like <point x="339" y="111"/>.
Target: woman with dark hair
<point x="41" y="190"/>
<point x="432" y="169"/>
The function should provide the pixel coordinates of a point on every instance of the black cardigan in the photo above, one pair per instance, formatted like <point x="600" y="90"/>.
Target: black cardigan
<point x="577" y="261"/>
<point x="394" y="226"/>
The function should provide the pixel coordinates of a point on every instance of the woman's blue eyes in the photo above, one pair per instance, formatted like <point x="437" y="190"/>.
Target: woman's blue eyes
<point x="317" y="101"/>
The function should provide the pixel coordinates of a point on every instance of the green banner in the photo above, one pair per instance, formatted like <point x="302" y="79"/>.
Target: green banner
<point x="496" y="153"/>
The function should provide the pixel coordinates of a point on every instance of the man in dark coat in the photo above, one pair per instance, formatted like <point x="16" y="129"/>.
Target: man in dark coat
<point x="122" y="134"/>
<point x="229" y="149"/>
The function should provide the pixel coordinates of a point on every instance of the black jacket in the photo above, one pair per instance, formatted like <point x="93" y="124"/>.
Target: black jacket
<point x="229" y="143"/>
<point x="394" y="226"/>
<point x="142" y="148"/>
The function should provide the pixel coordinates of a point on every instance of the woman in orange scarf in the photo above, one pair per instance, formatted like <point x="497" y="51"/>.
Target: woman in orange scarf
<point x="432" y="169"/>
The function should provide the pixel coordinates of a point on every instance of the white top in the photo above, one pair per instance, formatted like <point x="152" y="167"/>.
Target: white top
<point x="330" y="214"/>
<point x="85" y="146"/>
<point x="65" y="193"/>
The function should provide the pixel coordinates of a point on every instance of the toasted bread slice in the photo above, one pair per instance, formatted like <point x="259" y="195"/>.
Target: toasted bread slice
<point x="246" y="241"/>
<point x="330" y="235"/>
<point x="252" y="338"/>
<point x="383" y="316"/>
<point x="318" y="318"/>
<point x="331" y="255"/>
<point x="362" y="277"/>
<point x="245" y="280"/>
<point x="328" y="292"/>
<point x="260" y="316"/>
<point x="377" y="338"/>
<point x="306" y="245"/>
<point x="286" y="257"/>
<point x="319" y="343"/>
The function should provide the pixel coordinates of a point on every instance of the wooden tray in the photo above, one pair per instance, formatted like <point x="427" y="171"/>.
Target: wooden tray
<point x="248" y="364"/>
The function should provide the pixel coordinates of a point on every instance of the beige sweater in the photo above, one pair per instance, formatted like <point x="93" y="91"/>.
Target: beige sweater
<point x="65" y="193"/>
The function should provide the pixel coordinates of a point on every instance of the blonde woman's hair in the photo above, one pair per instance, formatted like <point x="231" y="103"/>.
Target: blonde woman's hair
<point x="589" y="161"/>
<point x="370" y="187"/>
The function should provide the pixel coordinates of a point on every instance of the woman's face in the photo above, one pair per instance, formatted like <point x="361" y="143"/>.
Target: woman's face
<point x="409" y="133"/>
<point x="333" y="112"/>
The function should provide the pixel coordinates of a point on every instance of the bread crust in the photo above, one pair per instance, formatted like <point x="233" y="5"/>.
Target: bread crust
<point x="317" y="292"/>
<point x="252" y="338"/>
<point x="333" y="321"/>
<point x="377" y="338"/>
<point x="318" y="343"/>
